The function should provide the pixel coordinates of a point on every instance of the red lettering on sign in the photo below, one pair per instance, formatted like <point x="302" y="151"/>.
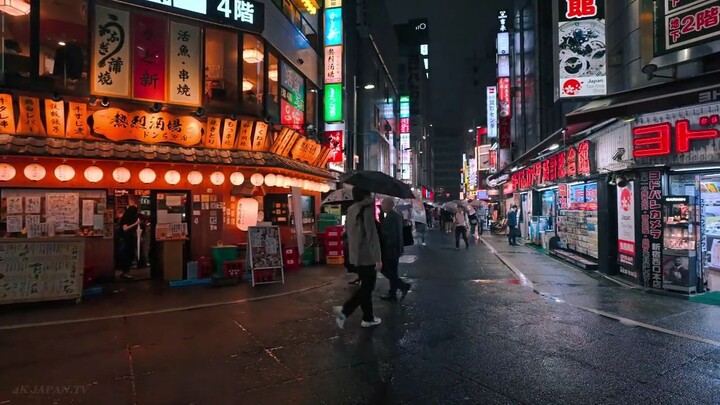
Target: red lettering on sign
<point x="651" y="140"/>
<point x="561" y="165"/>
<point x="683" y="135"/>
<point x="581" y="9"/>
<point x="572" y="162"/>
<point x="583" y="159"/>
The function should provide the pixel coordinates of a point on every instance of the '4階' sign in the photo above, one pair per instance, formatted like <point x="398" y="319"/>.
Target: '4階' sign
<point x="246" y="14"/>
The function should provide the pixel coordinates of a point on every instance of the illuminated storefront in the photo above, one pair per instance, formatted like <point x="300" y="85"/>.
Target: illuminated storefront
<point x="187" y="113"/>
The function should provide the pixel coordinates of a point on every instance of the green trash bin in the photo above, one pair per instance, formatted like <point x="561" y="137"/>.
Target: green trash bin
<point x="222" y="254"/>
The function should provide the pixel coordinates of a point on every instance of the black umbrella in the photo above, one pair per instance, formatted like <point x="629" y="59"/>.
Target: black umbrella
<point x="378" y="182"/>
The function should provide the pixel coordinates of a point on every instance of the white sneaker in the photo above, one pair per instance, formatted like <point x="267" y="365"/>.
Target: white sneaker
<point x="339" y="317"/>
<point x="375" y="322"/>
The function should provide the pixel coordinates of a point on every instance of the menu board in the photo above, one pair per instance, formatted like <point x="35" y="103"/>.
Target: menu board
<point x="62" y="210"/>
<point x="264" y="247"/>
<point x="277" y="209"/>
<point x="41" y="270"/>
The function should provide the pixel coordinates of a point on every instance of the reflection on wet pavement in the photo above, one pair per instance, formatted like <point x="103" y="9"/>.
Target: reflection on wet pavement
<point x="470" y="332"/>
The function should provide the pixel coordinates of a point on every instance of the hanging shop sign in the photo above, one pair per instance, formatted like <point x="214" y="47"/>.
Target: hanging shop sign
<point x="582" y="61"/>
<point x="185" y="64"/>
<point x="333" y="26"/>
<point x="333" y="103"/>
<point x="30" y="120"/>
<point x="626" y="229"/>
<point x="55" y="118"/>
<point x="260" y="136"/>
<point x="492" y="112"/>
<point x="682" y="24"/>
<point x="212" y="132"/>
<point x="244" y="136"/>
<point x="472" y="173"/>
<point x="149" y="38"/>
<point x="333" y="64"/>
<point x="404" y="125"/>
<point x="284" y="142"/>
<point x="247" y="15"/>
<point x="505" y="136"/>
<point x="7" y="114"/>
<point x="77" y="123"/>
<point x="229" y="134"/>
<point x="683" y="141"/>
<point x="651" y="228"/>
<point x="306" y="150"/>
<point x="110" y="61"/>
<point x="492" y="161"/>
<point x="118" y="125"/>
<point x="575" y="162"/>
<point x="334" y="141"/>
<point x="503" y="91"/>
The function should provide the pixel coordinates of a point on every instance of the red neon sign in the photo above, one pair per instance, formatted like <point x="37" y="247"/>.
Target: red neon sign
<point x="564" y="164"/>
<point x="581" y="9"/>
<point x="656" y="140"/>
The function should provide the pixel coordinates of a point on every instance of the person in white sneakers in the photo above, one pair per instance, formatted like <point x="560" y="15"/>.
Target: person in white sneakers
<point x="365" y="257"/>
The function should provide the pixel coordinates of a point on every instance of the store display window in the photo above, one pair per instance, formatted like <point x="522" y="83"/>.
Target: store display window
<point x="273" y="100"/>
<point x="221" y="67"/>
<point x="63" y="43"/>
<point x="15" y="60"/>
<point x="253" y="75"/>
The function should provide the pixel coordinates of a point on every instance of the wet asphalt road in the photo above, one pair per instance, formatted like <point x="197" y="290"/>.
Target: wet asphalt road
<point x="467" y="333"/>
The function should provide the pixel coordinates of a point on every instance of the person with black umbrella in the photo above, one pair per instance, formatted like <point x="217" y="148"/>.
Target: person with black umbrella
<point x="392" y="246"/>
<point x="364" y="255"/>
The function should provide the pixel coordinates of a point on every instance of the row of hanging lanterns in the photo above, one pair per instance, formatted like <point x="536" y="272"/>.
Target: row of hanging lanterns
<point x="94" y="174"/>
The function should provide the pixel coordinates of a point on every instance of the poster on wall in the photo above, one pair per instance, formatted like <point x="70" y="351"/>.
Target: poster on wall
<point x="651" y="228"/>
<point x="626" y="229"/>
<point x="582" y="60"/>
<point x="110" y="62"/>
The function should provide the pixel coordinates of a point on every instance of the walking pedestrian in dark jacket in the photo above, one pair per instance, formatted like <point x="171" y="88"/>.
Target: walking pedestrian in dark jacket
<point x="512" y="225"/>
<point x="392" y="245"/>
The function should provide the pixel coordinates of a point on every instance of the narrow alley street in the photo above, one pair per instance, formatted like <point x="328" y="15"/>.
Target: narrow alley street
<point x="470" y="331"/>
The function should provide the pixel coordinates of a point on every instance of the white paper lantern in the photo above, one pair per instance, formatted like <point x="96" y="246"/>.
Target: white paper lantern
<point x="295" y="182"/>
<point x="287" y="181"/>
<point x="93" y="174"/>
<point x="7" y="172"/>
<point x="306" y="184"/>
<point x="271" y="179"/>
<point x="34" y="172"/>
<point x="172" y="177"/>
<point x="313" y="186"/>
<point x="147" y="175"/>
<point x="237" y="178"/>
<point x="247" y="213"/>
<point x="279" y="180"/>
<point x="325" y="188"/>
<point x="64" y="173"/>
<point x="257" y="179"/>
<point x="217" y="178"/>
<point x="195" y="177"/>
<point x="121" y="175"/>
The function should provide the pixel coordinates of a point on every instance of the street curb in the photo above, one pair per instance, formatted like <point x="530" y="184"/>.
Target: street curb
<point x="519" y="274"/>
<point x="162" y="311"/>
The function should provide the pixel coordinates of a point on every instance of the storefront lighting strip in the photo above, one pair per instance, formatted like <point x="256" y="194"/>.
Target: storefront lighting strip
<point x="575" y="183"/>
<point x="548" y="188"/>
<point x="695" y="169"/>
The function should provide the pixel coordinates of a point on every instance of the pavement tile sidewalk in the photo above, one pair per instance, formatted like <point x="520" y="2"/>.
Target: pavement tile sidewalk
<point x="132" y="298"/>
<point x="591" y="290"/>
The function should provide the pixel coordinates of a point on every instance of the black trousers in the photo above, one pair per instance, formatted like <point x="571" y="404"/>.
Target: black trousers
<point x="362" y="297"/>
<point x="512" y="234"/>
<point x="461" y="231"/>
<point x="391" y="267"/>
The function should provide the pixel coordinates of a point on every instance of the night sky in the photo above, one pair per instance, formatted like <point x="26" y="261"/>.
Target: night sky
<point x="459" y="34"/>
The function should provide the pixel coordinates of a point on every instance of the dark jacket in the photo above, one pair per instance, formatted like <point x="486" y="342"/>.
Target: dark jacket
<point x="392" y="232"/>
<point x="363" y="238"/>
<point x="512" y="218"/>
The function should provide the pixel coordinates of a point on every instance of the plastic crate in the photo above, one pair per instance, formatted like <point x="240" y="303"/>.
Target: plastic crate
<point x="335" y="260"/>
<point x="204" y="267"/>
<point x="233" y="268"/>
<point x="334" y="253"/>
<point x="292" y="264"/>
<point x="334" y="244"/>
<point x="334" y="233"/>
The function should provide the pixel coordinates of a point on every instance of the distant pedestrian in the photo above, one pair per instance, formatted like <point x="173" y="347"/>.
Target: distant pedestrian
<point x="128" y="226"/>
<point x="365" y="257"/>
<point x="421" y="231"/>
<point x="472" y="217"/>
<point x="392" y="246"/>
<point x="482" y="218"/>
<point x="448" y="218"/>
<point x="461" y="225"/>
<point x="512" y="225"/>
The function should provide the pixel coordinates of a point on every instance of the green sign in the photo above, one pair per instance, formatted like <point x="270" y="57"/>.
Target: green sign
<point x="333" y="102"/>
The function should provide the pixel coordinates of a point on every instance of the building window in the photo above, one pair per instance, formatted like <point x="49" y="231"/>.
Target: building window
<point x="253" y="55"/>
<point x="64" y="44"/>
<point x="273" y="101"/>
<point x="15" y="60"/>
<point x="304" y="14"/>
<point x="221" y="67"/>
<point x="292" y="97"/>
<point x="311" y="106"/>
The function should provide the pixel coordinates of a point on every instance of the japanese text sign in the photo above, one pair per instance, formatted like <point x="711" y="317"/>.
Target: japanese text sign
<point x="30" y="121"/>
<point x="244" y="14"/>
<point x="55" y="118"/>
<point x="572" y="163"/>
<point x="504" y="100"/>
<point x="244" y="138"/>
<point x="284" y="142"/>
<point x="212" y="132"/>
<point x="333" y="27"/>
<point x="333" y="103"/>
<point x="334" y="141"/>
<point x="651" y="227"/>
<point x="77" y="125"/>
<point x="184" y="68"/>
<point x="149" y="38"/>
<point x="492" y="111"/>
<point x="681" y="24"/>
<point x="333" y="64"/>
<point x="7" y="115"/>
<point x="118" y="125"/>
<point x="110" y="62"/>
<point x="667" y="142"/>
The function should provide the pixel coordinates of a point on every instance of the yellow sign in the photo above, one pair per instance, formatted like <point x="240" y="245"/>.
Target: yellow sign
<point x="284" y="142"/>
<point x="244" y="141"/>
<point x="29" y="122"/>
<point x="55" y="118"/>
<point x="118" y="125"/>
<point x="7" y="115"/>
<point x="229" y="133"/>
<point x="212" y="132"/>
<point x="306" y="150"/>
<point x="77" y="126"/>
<point x="323" y="157"/>
<point x="260" y="138"/>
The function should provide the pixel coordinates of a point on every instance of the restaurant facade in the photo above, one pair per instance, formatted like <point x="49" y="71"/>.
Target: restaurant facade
<point x="200" y="113"/>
